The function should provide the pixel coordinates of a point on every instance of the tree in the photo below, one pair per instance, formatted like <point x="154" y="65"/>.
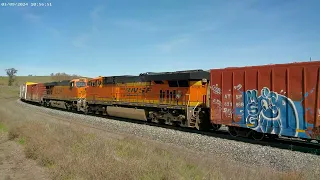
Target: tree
<point x="11" y="74"/>
<point x="63" y="76"/>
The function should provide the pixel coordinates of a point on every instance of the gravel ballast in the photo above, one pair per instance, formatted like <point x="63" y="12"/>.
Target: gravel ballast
<point x="249" y="154"/>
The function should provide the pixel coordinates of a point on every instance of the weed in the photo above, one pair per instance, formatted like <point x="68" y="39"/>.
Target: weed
<point x="22" y="140"/>
<point x="3" y="128"/>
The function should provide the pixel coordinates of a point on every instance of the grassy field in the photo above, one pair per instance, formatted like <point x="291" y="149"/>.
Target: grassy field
<point x="71" y="151"/>
<point x="75" y="152"/>
<point x="22" y="79"/>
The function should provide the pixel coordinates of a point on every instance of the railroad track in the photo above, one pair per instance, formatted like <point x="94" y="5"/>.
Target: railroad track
<point x="281" y="143"/>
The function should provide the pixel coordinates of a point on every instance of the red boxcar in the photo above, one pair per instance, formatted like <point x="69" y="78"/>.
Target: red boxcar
<point x="35" y="92"/>
<point x="280" y="99"/>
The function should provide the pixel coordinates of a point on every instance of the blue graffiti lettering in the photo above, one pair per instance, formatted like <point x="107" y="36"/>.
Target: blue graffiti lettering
<point x="252" y="107"/>
<point x="271" y="113"/>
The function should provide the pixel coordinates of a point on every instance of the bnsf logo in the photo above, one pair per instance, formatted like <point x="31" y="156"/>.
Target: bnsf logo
<point x="138" y="90"/>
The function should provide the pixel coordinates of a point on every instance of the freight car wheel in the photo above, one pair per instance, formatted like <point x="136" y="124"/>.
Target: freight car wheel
<point x="257" y="135"/>
<point x="215" y="127"/>
<point x="233" y="131"/>
<point x="273" y="136"/>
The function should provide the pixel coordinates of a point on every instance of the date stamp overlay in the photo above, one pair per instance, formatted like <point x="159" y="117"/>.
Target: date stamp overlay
<point x="26" y="4"/>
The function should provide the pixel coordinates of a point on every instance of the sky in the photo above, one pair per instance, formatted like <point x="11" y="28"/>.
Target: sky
<point x="126" y="37"/>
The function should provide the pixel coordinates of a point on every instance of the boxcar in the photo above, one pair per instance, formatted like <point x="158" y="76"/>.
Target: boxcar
<point x="35" y="92"/>
<point x="24" y="90"/>
<point x="280" y="99"/>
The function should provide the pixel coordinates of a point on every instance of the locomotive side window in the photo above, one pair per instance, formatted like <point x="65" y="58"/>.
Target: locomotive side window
<point x="71" y="85"/>
<point x="98" y="82"/>
<point x="160" y="95"/>
<point x="183" y="83"/>
<point x="170" y="95"/>
<point x="173" y="83"/>
<point x="159" y="82"/>
<point x="163" y="94"/>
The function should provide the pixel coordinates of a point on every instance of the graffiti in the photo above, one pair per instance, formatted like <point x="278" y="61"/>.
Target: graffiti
<point x="239" y="104"/>
<point x="238" y="96"/>
<point x="227" y="96"/>
<point x="306" y="95"/>
<point x="271" y="113"/>
<point x="227" y="112"/>
<point x="283" y="92"/>
<point x="238" y="87"/>
<point x="217" y="103"/>
<point x="216" y="89"/>
<point x="267" y="111"/>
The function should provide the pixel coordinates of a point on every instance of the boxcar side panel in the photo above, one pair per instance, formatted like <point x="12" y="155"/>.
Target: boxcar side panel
<point x="38" y="92"/>
<point x="277" y="99"/>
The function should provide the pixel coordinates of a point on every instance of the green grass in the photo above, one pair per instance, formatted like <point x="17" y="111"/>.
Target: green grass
<point x="22" y="79"/>
<point x="22" y="140"/>
<point x="3" y="128"/>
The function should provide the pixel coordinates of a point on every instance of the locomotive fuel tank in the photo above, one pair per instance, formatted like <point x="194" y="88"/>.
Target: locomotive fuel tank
<point x="132" y="113"/>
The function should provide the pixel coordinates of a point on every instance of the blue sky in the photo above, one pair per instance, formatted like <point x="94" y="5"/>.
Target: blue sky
<point x="117" y="37"/>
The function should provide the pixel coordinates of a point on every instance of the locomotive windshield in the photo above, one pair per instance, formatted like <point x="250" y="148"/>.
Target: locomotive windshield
<point x="81" y="84"/>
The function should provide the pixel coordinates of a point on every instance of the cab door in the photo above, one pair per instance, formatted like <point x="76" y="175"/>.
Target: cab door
<point x="72" y="90"/>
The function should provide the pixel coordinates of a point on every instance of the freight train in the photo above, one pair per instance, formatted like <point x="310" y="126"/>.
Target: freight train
<point x="252" y="101"/>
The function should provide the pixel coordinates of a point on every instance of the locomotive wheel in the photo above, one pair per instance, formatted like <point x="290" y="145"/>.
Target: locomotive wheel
<point x="257" y="135"/>
<point x="154" y="118"/>
<point x="85" y="111"/>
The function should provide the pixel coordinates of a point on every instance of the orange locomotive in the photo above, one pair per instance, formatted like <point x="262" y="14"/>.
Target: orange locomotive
<point x="66" y="94"/>
<point x="172" y="98"/>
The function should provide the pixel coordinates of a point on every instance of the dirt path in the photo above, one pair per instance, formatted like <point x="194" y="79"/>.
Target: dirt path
<point x="14" y="164"/>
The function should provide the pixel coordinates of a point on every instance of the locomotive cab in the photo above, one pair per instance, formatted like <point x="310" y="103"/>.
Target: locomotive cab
<point x="78" y="87"/>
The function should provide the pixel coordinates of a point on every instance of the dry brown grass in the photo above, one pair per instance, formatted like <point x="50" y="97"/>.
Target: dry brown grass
<point x="73" y="152"/>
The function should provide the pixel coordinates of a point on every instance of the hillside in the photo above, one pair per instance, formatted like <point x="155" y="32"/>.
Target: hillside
<point x="22" y="79"/>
